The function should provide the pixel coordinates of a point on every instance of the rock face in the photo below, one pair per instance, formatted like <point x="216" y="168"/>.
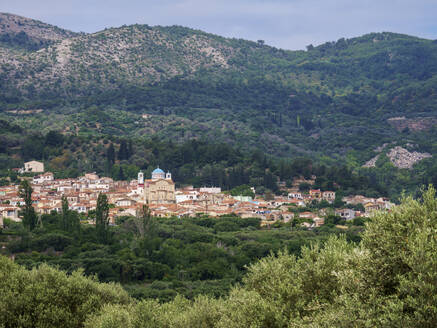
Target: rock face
<point x="404" y="159"/>
<point x="371" y="162"/>
<point x="400" y="157"/>
<point x="413" y="124"/>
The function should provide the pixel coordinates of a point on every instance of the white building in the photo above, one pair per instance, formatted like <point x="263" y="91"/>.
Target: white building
<point x="182" y="196"/>
<point x="39" y="179"/>
<point x="33" y="166"/>
<point x="211" y="190"/>
<point x="295" y="195"/>
<point x="9" y="212"/>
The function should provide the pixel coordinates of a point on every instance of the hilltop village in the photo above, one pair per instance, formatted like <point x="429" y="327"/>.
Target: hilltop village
<point x="164" y="200"/>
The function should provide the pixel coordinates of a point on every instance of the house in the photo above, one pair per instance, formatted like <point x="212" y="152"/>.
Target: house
<point x="124" y="202"/>
<point x="307" y="225"/>
<point x="329" y="196"/>
<point x="315" y="193"/>
<point x="91" y="176"/>
<point x="318" y="221"/>
<point x="38" y="179"/>
<point x="371" y="207"/>
<point x="33" y="166"/>
<point x="295" y="195"/>
<point x="287" y="216"/>
<point x="9" y="212"/>
<point x="182" y="196"/>
<point x="242" y="198"/>
<point x="211" y="190"/>
<point x="345" y="213"/>
<point x="307" y="215"/>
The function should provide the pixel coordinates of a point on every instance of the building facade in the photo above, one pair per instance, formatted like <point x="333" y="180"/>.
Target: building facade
<point x="160" y="189"/>
<point x="33" y="166"/>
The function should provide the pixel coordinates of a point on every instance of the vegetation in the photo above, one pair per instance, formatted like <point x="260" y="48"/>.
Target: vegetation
<point x="328" y="100"/>
<point x="159" y="257"/>
<point x="330" y="103"/>
<point x="388" y="280"/>
<point x="274" y="115"/>
<point x="28" y="214"/>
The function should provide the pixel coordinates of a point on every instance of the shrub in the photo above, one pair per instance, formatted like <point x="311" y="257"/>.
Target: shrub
<point x="47" y="297"/>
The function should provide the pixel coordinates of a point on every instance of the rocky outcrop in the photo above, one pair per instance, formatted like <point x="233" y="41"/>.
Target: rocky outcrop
<point x="371" y="162"/>
<point x="413" y="124"/>
<point x="403" y="159"/>
<point x="400" y="157"/>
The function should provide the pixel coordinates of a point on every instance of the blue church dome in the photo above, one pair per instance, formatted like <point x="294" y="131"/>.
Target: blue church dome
<point x="158" y="171"/>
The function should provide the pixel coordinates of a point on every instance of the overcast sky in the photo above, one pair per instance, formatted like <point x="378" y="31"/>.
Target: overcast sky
<point x="288" y="24"/>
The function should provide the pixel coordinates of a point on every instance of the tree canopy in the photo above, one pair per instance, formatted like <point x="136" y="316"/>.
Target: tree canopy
<point x="388" y="280"/>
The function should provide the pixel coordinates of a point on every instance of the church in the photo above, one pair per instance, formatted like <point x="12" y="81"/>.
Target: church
<point x="158" y="190"/>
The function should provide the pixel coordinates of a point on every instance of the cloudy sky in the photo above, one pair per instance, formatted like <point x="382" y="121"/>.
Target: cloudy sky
<point x="289" y="24"/>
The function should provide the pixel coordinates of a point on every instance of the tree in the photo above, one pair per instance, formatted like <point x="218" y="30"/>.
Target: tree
<point x="54" y="138"/>
<point x="27" y="212"/>
<point x="123" y="152"/>
<point x="110" y="154"/>
<point x="70" y="219"/>
<point x="47" y="297"/>
<point x="130" y="149"/>
<point x="102" y="218"/>
<point x="65" y="211"/>
<point x="145" y="222"/>
<point x="121" y="175"/>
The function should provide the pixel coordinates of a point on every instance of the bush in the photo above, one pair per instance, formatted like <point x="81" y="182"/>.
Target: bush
<point x="47" y="297"/>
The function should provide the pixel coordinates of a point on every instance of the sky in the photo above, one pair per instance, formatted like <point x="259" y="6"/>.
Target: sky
<point x="287" y="24"/>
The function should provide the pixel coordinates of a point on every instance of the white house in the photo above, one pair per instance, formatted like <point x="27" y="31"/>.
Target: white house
<point x="182" y="196"/>
<point x="33" y="166"/>
<point x="346" y="213"/>
<point x="295" y="195"/>
<point x="124" y="202"/>
<point x="9" y="212"/>
<point x="211" y="190"/>
<point x="38" y="179"/>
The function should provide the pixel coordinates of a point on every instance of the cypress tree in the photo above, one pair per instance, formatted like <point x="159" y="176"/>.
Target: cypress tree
<point x="102" y="218"/>
<point x="130" y="149"/>
<point x="27" y="212"/>
<point x="110" y="154"/>
<point x="123" y="152"/>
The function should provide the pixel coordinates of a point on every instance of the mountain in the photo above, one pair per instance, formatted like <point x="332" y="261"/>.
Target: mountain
<point x="29" y="34"/>
<point x="178" y="83"/>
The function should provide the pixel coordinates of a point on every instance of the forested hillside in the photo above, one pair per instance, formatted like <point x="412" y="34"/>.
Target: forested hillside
<point x="177" y="84"/>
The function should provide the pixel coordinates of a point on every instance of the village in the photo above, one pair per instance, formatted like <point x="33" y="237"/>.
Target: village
<point x="159" y="193"/>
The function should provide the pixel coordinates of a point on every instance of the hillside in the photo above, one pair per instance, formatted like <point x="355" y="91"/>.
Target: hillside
<point x="178" y="83"/>
<point x="29" y="34"/>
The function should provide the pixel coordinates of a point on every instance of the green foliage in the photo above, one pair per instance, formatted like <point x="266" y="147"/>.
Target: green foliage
<point x="102" y="218"/>
<point x="46" y="297"/>
<point x="387" y="281"/>
<point x="27" y="213"/>
<point x="70" y="219"/>
<point x="243" y="190"/>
